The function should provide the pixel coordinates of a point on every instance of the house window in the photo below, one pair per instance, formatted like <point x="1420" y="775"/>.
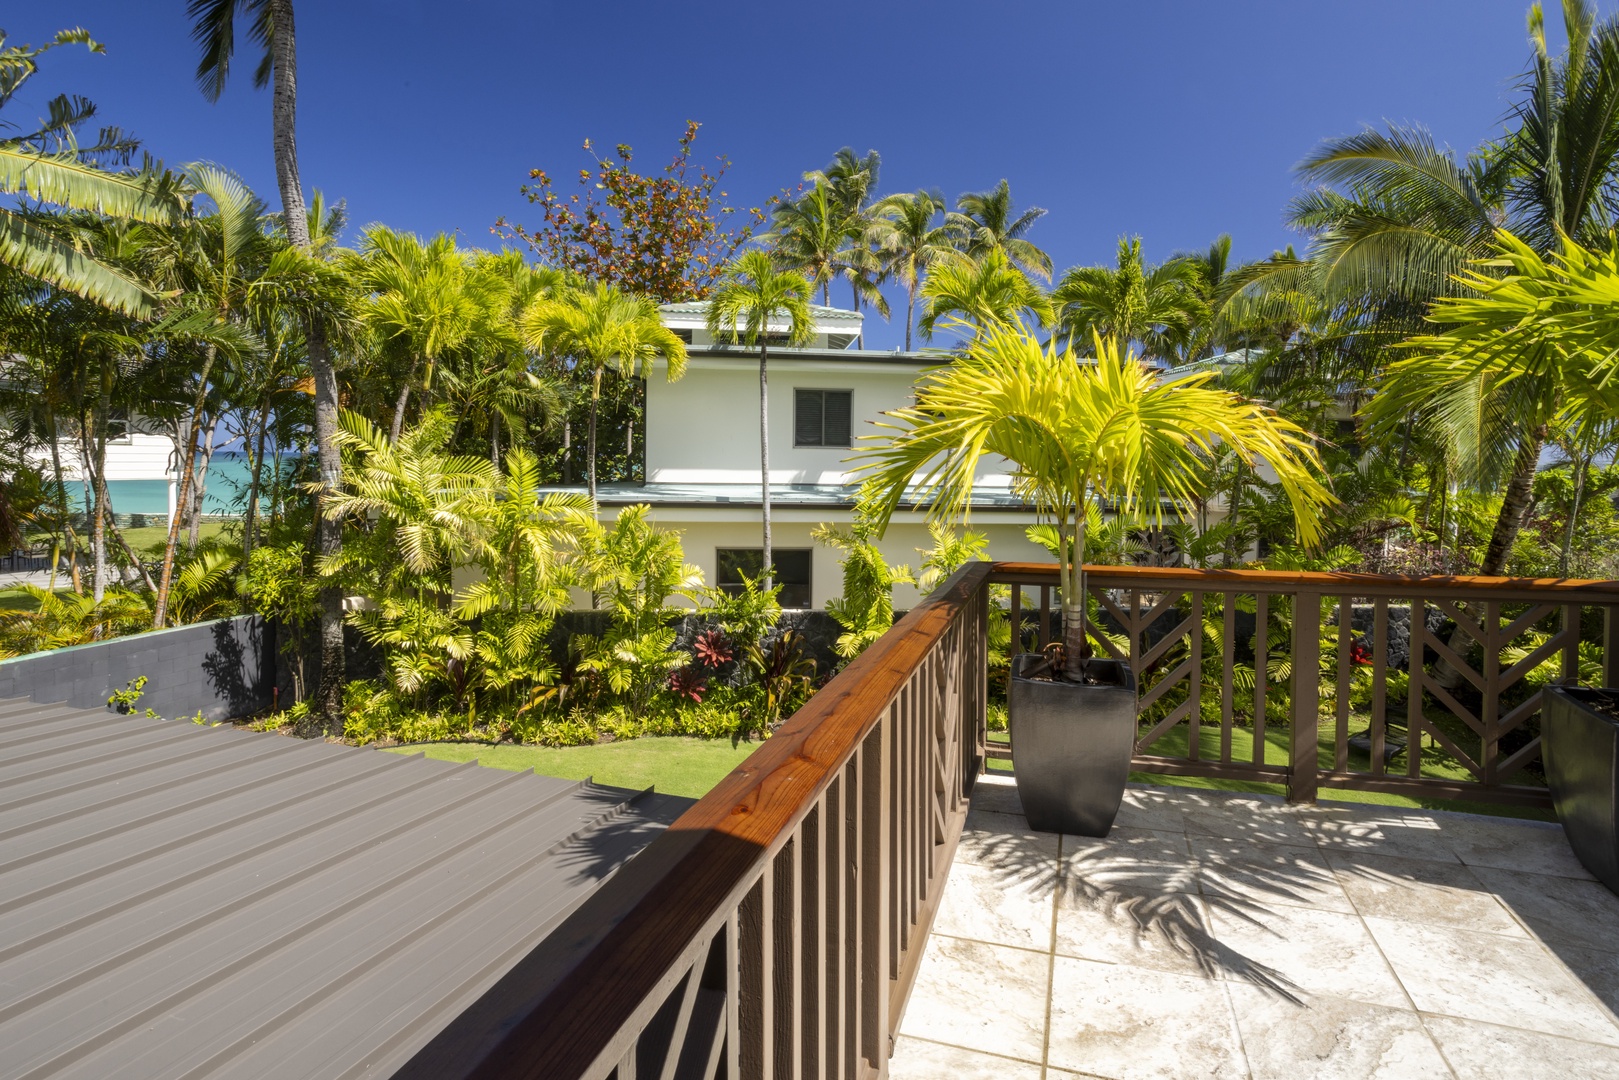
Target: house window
<point x="792" y="571"/>
<point x="821" y="417"/>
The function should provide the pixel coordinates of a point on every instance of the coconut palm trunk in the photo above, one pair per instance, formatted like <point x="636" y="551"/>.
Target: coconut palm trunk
<point x="188" y="467"/>
<point x="910" y="312"/>
<point x="590" y="438"/>
<point x="764" y="459"/>
<point x="256" y="483"/>
<point x="1514" y="504"/>
<point x="327" y="707"/>
<point x="399" y="405"/>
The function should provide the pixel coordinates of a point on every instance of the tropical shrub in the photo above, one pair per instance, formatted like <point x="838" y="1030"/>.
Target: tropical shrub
<point x="865" y="609"/>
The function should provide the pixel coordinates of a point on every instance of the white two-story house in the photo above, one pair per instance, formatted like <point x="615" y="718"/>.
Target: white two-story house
<point x="702" y="457"/>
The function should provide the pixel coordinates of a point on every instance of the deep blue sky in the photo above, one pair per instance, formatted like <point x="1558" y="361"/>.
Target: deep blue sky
<point x="1172" y="119"/>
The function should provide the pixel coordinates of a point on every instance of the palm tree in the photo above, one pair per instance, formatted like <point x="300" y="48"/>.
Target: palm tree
<point x="986" y="222"/>
<point x="1402" y="219"/>
<point x="982" y="291"/>
<point x="751" y="301"/>
<point x="216" y="260"/>
<point x="602" y="328"/>
<point x="1157" y="306"/>
<point x="908" y="242"/>
<point x="1077" y="432"/>
<point x="49" y="166"/>
<point x="1517" y="356"/>
<point x="420" y="304"/>
<point x="213" y="28"/>
<point x="853" y="180"/>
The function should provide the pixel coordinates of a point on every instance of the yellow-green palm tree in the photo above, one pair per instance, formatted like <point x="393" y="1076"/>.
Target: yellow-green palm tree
<point x="753" y="301"/>
<point x="1157" y="307"/>
<point x="983" y="291"/>
<point x="1076" y="432"/>
<point x="420" y="303"/>
<point x="603" y="329"/>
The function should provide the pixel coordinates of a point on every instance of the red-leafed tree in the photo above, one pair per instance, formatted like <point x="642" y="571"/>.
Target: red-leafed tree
<point x="665" y="235"/>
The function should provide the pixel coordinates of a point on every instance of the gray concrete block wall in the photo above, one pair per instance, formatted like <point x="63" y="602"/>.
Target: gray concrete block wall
<point x="224" y="669"/>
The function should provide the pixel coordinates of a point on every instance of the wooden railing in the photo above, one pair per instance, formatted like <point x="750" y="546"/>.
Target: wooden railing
<point x="1215" y="690"/>
<point x="775" y="929"/>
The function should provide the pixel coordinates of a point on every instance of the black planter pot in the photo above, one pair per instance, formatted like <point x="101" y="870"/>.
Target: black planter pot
<point x="1071" y="746"/>
<point x="1581" y="750"/>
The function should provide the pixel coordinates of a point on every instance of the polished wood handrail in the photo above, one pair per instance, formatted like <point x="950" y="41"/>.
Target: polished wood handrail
<point x="1331" y="583"/>
<point x="579" y="1003"/>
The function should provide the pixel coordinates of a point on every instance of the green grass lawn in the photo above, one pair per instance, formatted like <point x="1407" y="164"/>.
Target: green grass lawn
<point x="690" y="767"/>
<point x="674" y="766"/>
<point x="16" y="600"/>
<point x="156" y="536"/>
<point x="144" y="539"/>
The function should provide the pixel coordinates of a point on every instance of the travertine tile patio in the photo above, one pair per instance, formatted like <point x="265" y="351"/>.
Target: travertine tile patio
<point x="1221" y="935"/>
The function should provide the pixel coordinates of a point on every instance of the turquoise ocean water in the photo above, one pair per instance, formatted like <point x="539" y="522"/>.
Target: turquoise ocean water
<point x="225" y="493"/>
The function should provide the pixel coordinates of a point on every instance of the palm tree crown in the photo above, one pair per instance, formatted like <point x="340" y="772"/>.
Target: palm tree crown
<point x="982" y="291"/>
<point x="1156" y="306"/>
<point x="908" y="242"/>
<point x="987" y="223"/>
<point x="603" y="328"/>
<point x="1076" y="431"/>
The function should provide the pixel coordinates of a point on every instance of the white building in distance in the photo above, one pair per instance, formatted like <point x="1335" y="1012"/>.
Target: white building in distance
<point x="702" y="457"/>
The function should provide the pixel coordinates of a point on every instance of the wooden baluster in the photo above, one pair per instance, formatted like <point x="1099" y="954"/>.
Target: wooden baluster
<point x="854" y="861"/>
<point x="1042" y="636"/>
<point x="1304" y="734"/>
<point x="1380" y="686"/>
<point x="812" y="939"/>
<point x="899" y="873"/>
<point x="875" y="970"/>
<point x="1346" y="669"/>
<point x="1490" y="706"/>
<point x="733" y="995"/>
<point x="1571" y="644"/>
<point x="754" y="991"/>
<point x="836" y="1010"/>
<point x="1261" y="667"/>
<point x="1134" y="628"/>
<point x="1413" y="706"/>
<point x="1610" y="645"/>
<point x="1228" y="664"/>
<point x="1015" y="617"/>
<point x="786" y="971"/>
<point x="1194" y="689"/>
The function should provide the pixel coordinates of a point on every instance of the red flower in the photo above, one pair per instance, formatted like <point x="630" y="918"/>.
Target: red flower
<point x="1359" y="653"/>
<point x="688" y="682"/>
<point x="711" y="648"/>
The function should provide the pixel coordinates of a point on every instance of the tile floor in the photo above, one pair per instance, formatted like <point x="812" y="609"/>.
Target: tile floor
<point x="1219" y="935"/>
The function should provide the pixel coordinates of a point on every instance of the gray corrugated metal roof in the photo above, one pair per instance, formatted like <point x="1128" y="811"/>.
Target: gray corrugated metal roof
<point x="818" y="312"/>
<point x="781" y="495"/>
<point x="778" y="353"/>
<point x="184" y="901"/>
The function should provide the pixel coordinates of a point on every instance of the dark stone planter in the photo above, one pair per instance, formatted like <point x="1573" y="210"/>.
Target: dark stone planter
<point x="1582" y="767"/>
<point x="1071" y="746"/>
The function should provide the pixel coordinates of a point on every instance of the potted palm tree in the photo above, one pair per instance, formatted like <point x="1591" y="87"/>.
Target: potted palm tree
<point x="1074" y="431"/>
